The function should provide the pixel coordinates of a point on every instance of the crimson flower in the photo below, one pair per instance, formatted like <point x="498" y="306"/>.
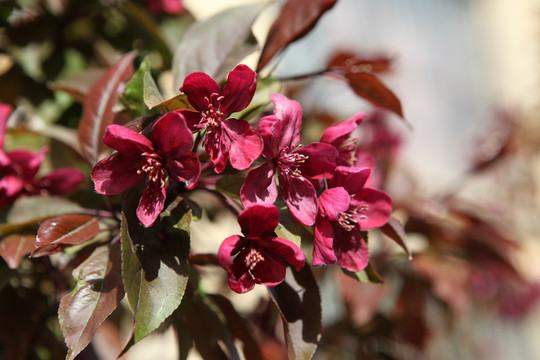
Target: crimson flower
<point x="296" y="166"/>
<point x="260" y="255"/>
<point x="167" y="155"/>
<point x="346" y="209"/>
<point x="19" y="168"/>
<point x="225" y="138"/>
<point x="171" y="7"/>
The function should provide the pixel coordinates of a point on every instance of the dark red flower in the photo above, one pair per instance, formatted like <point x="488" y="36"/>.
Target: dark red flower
<point x="346" y="209"/>
<point x="225" y="138"/>
<point x="296" y="166"/>
<point x="167" y="155"/>
<point x="260" y="256"/>
<point x="18" y="170"/>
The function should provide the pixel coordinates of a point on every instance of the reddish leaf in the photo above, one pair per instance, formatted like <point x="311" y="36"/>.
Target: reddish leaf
<point x="350" y="62"/>
<point x="299" y="302"/>
<point x="78" y="85"/>
<point x="371" y="88"/>
<point x="296" y="19"/>
<point x="98" y="106"/>
<point x="98" y="291"/>
<point x="395" y="231"/>
<point x="57" y="233"/>
<point x="16" y="246"/>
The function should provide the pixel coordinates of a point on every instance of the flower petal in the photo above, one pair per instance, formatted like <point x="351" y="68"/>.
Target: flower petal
<point x="185" y="169"/>
<point x="193" y="119"/>
<point x="270" y="271"/>
<point x="5" y="111"/>
<point x="332" y="202"/>
<point x="258" y="220"/>
<point x="152" y="203"/>
<point x="61" y="181"/>
<point x="259" y="186"/>
<point x="374" y="208"/>
<point x="300" y="197"/>
<point x="270" y="130"/>
<point x="245" y="143"/>
<point x="352" y="179"/>
<point x="25" y="163"/>
<point x="198" y="87"/>
<point x="171" y="136"/>
<point x="334" y="134"/>
<point x="239" y="89"/>
<point x="289" y="112"/>
<point x="284" y="249"/>
<point x="126" y="141"/>
<point x="116" y="174"/>
<point x="229" y="247"/>
<point x="10" y="189"/>
<point x="351" y="249"/>
<point x="321" y="161"/>
<point x="217" y="146"/>
<point x="323" y="239"/>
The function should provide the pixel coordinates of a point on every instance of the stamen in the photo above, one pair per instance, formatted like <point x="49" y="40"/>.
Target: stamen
<point x="253" y="258"/>
<point x="213" y="114"/>
<point x="346" y="218"/>
<point x="289" y="161"/>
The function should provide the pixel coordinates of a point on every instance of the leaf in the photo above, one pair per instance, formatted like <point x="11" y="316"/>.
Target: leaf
<point x="133" y="97"/>
<point x="230" y="185"/>
<point x="299" y="302"/>
<point x="368" y="275"/>
<point x="30" y="210"/>
<point x="57" y="233"/>
<point x="208" y="44"/>
<point x="395" y="231"/>
<point x="98" y="292"/>
<point x="296" y="19"/>
<point x="98" y="106"/>
<point x="265" y="88"/>
<point x="15" y="247"/>
<point x="154" y="266"/>
<point x="153" y="98"/>
<point x="289" y="228"/>
<point x="77" y="85"/>
<point x="351" y="62"/>
<point x="371" y="88"/>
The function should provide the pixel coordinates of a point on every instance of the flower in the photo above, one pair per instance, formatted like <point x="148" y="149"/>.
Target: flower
<point x="294" y="164"/>
<point x="340" y="137"/>
<point x="225" y="138"/>
<point x="19" y="168"/>
<point x="346" y="209"/>
<point x="171" y="7"/>
<point x="167" y="155"/>
<point x="260" y="255"/>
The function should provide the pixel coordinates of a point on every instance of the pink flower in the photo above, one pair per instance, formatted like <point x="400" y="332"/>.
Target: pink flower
<point x="260" y="255"/>
<point x="171" y="7"/>
<point x="167" y="155"/>
<point x="346" y="209"/>
<point x="296" y="166"/>
<point x="19" y="168"/>
<point x="225" y="138"/>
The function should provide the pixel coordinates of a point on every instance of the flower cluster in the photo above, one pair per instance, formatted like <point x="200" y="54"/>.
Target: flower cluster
<point x="319" y="187"/>
<point x="19" y="169"/>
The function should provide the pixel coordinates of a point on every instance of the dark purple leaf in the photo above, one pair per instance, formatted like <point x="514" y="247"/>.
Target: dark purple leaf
<point x="350" y="62"/>
<point x="57" y="233"/>
<point x="98" y="292"/>
<point x="98" y="106"/>
<point x="395" y="231"/>
<point x="371" y="88"/>
<point x="299" y="302"/>
<point x="296" y="19"/>
<point x="14" y="247"/>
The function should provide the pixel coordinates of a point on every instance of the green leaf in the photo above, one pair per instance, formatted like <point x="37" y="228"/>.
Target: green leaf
<point x="155" y="265"/>
<point x="152" y="97"/>
<point x="208" y="44"/>
<point x="230" y="185"/>
<point x="30" y="210"/>
<point x="289" y="228"/>
<point x="299" y="302"/>
<point x="133" y="97"/>
<point x="98" y="292"/>
<point x="368" y="275"/>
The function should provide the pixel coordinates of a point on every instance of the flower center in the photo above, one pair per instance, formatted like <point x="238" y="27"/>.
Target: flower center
<point x="346" y="219"/>
<point x="253" y="258"/>
<point x="289" y="162"/>
<point x="213" y="114"/>
<point x="154" y="168"/>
